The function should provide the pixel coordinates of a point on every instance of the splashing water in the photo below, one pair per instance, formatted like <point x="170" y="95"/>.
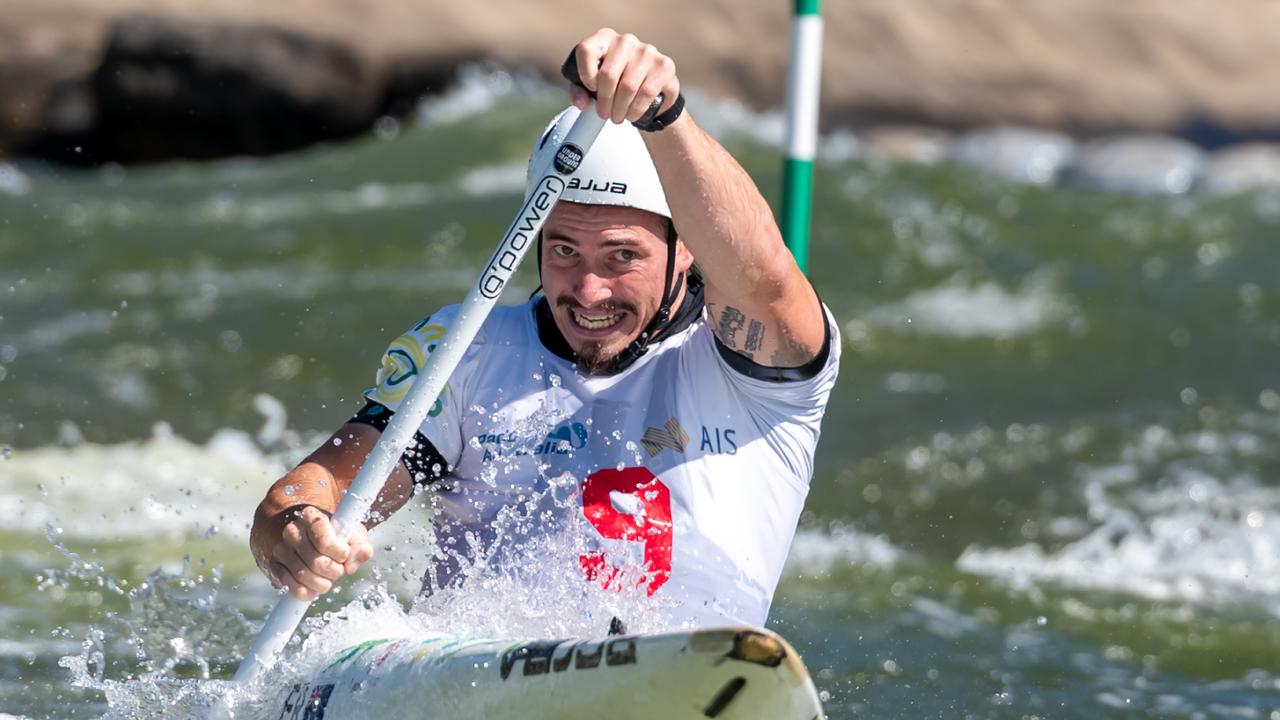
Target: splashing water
<point x="176" y="628"/>
<point x="163" y="655"/>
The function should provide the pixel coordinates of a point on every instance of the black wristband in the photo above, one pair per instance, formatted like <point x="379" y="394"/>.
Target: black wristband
<point x="661" y="122"/>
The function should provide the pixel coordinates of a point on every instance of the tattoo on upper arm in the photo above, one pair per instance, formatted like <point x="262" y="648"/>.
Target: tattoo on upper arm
<point x="755" y="336"/>
<point x="729" y="329"/>
<point x="790" y="353"/>
<point x="731" y="321"/>
<point x="745" y="336"/>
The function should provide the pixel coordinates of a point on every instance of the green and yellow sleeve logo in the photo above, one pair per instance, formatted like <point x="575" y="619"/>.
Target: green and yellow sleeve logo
<point x="401" y="363"/>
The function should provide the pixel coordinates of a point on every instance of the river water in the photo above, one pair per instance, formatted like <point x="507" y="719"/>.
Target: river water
<point x="1048" y="485"/>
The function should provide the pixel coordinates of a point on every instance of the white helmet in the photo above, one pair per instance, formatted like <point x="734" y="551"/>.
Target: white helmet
<point x="616" y="171"/>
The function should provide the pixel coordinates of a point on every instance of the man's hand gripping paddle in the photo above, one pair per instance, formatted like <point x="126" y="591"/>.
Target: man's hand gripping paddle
<point x="435" y="372"/>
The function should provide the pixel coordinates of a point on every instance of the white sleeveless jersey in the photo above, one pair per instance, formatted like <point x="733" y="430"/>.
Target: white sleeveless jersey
<point x="684" y="474"/>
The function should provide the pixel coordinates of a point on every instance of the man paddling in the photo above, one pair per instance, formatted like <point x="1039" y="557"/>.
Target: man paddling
<point x="683" y="403"/>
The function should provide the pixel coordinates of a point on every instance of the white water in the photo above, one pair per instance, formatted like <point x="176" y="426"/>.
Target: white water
<point x="816" y="553"/>
<point x="198" y="499"/>
<point x="1173" y="515"/>
<point x="157" y="487"/>
<point x="957" y="309"/>
<point x="1179" y="516"/>
<point x="13" y="181"/>
<point x="1188" y="533"/>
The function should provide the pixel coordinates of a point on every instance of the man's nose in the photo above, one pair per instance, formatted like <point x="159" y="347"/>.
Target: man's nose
<point x="593" y="289"/>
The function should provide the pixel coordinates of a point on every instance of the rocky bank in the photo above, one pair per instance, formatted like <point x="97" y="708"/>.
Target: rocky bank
<point x="88" y="81"/>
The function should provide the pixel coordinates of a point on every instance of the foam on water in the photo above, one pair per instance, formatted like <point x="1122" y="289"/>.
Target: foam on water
<point x="261" y="210"/>
<point x="486" y="180"/>
<point x="480" y="88"/>
<point x="1016" y="154"/>
<point x="180" y="627"/>
<point x="728" y="118"/>
<point x="958" y="309"/>
<point x="177" y="622"/>
<point x="1146" y="165"/>
<point x="1141" y="501"/>
<point x="1185" y="516"/>
<point x="1021" y="155"/>
<point x="13" y="181"/>
<point x="161" y="486"/>
<point x="816" y="552"/>
<point x="477" y="90"/>
<point x="200" y="287"/>
<point x="1241" y="168"/>
<point x="935" y="233"/>
<point x="57" y="332"/>
<point x="256" y="211"/>
<point x="146" y="661"/>
<point x="545" y="596"/>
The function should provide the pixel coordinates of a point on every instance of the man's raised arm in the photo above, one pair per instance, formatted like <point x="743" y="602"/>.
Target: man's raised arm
<point x="761" y="304"/>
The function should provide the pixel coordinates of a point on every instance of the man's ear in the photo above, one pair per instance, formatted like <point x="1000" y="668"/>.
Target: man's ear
<point x="684" y="258"/>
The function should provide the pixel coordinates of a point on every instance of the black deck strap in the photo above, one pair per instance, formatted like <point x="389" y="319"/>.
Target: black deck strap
<point x="424" y="463"/>
<point x="752" y="369"/>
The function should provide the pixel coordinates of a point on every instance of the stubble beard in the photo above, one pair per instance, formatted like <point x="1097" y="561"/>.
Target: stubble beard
<point x="595" y="357"/>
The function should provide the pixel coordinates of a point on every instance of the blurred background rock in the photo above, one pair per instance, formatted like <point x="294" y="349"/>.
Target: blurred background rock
<point x="90" y="81"/>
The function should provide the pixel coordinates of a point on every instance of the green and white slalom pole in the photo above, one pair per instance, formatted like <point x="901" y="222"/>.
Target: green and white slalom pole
<point x="804" y="77"/>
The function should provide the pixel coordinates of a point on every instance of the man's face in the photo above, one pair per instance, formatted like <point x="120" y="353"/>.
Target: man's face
<point x="603" y="273"/>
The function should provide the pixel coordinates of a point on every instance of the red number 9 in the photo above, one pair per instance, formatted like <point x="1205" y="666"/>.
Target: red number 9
<point x="651" y="525"/>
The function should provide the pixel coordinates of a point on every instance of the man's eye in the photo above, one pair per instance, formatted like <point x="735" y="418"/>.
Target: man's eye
<point x="562" y="250"/>
<point x="627" y="255"/>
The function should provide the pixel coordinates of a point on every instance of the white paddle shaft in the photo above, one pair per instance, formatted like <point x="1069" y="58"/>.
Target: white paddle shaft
<point x="432" y="376"/>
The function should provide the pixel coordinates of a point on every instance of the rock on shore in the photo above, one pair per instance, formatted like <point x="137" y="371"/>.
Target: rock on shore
<point x="139" y="80"/>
